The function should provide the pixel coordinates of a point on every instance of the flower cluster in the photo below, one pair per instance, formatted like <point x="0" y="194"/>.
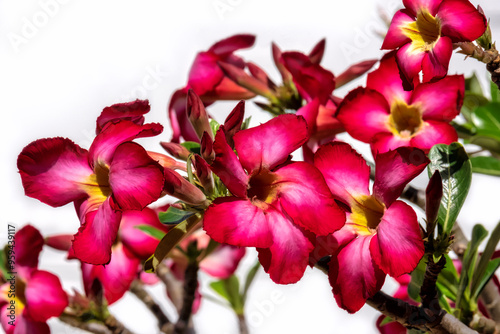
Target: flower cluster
<point x="235" y="186"/>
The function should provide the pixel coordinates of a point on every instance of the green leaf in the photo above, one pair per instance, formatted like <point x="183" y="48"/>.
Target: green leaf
<point x="479" y="233"/>
<point x="495" y="92"/>
<point x="486" y="165"/>
<point x="152" y="231"/>
<point x="447" y="281"/>
<point x="485" y="258"/>
<point x="249" y="279"/>
<point x="174" y="216"/>
<point x="473" y="85"/>
<point x="214" y="126"/>
<point x="487" y="118"/>
<point x="246" y="123"/>
<point x="229" y="289"/>
<point x="455" y="168"/>
<point x="487" y="140"/>
<point x="169" y="241"/>
<point x="386" y="320"/>
<point x="471" y="102"/>
<point x="3" y="262"/>
<point x="488" y="274"/>
<point x="192" y="146"/>
<point x="417" y="278"/>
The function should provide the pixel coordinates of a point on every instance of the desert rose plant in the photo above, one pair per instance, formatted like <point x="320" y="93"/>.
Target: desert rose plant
<point x="289" y="187"/>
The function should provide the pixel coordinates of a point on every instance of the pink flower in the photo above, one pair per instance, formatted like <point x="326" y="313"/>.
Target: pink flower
<point x="209" y="82"/>
<point x="381" y="235"/>
<point x="131" y="246"/>
<point x="386" y="116"/>
<point x="424" y="33"/>
<point x="31" y="296"/>
<point x="116" y="174"/>
<point x="276" y="204"/>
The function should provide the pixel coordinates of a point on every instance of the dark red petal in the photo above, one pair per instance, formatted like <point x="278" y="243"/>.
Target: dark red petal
<point x="132" y="111"/>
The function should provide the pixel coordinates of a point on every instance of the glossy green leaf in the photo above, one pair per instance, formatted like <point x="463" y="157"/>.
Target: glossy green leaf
<point x="488" y="274"/>
<point x="169" y="241"/>
<point x="455" y="168"/>
<point x="249" y="279"/>
<point x="447" y="281"/>
<point x="479" y="233"/>
<point x="487" y="140"/>
<point x="192" y="146"/>
<point x="486" y="165"/>
<point x="485" y="258"/>
<point x="174" y="216"/>
<point x="152" y="231"/>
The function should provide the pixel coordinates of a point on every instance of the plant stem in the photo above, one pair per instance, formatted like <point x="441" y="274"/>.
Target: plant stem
<point x="89" y="326"/>
<point x="242" y="324"/>
<point x="115" y="326"/>
<point x="428" y="291"/>
<point x="137" y="288"/>
<point x="190" y="285"/>
<point x="174" y="286"/>
<point x="411" y="316"/>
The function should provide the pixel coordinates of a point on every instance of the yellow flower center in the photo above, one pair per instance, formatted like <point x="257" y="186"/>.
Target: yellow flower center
<point x="97" y="184"/>
<point x="263" y="188"/>
<point x="366" y="214"/>
<point x="424" y="32"/>
<point x="405" y="120"/>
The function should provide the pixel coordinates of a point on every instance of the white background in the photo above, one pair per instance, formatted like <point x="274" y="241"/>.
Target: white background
<point x="58" y="71"/>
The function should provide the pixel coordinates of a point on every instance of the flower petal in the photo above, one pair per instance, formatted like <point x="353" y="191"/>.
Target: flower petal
<point x="181" y="127"/>
<point x="364" y="113"/>
<point x="205" y="74"/>
<point x="461" y="21"/>
<point x="394" y="170"/>
<point x="53" y="169"/>
<point x="28" y="245"/>
<point x="223" y="261"/>
<point x="436" y="61"/>
<point x="231" y="44"/>
<point x="113" y="134"/>
<point x="115" y="277"/>
<point x="312" y="80"/>
<point x="227" y="167"/>
<point x="237" y="222"/>
<point x="384" y="142"/>
<point x="415" y="5"/>
<point x="387" y="80"/>
<point x="270" y="144"/>
<point x="45" y="297"/>
<point x="306" y="199"/>
<point x="287" y="258"/>
<point x="409" y="59"/>
<point x="433" y="133"/>
<point x="441" y="100"/>
<point x="395" y="36"/>
<point x="25" y="324"/>
<point x="137" y="241"/>
<point x="92" y="243"/>
<point x="345" y="171"/>
<point x="136" y="180"/>
<point x="397" y="247"/>
<point x="354" y="276"/>
<point x="132" y="111"/>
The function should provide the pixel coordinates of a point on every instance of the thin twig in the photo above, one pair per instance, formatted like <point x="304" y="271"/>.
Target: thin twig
<point x="174" y="286"/>
<point x="137" y="288"/>
<point x="242" y="324"/>
<point x="115" y="326"/>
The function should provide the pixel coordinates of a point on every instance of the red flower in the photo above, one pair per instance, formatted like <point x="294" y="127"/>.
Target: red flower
<point x="381" y="235"/>
<point x="276" y="204"/>
<point x="424" y="33"/>
<point x="386" y="116"/>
